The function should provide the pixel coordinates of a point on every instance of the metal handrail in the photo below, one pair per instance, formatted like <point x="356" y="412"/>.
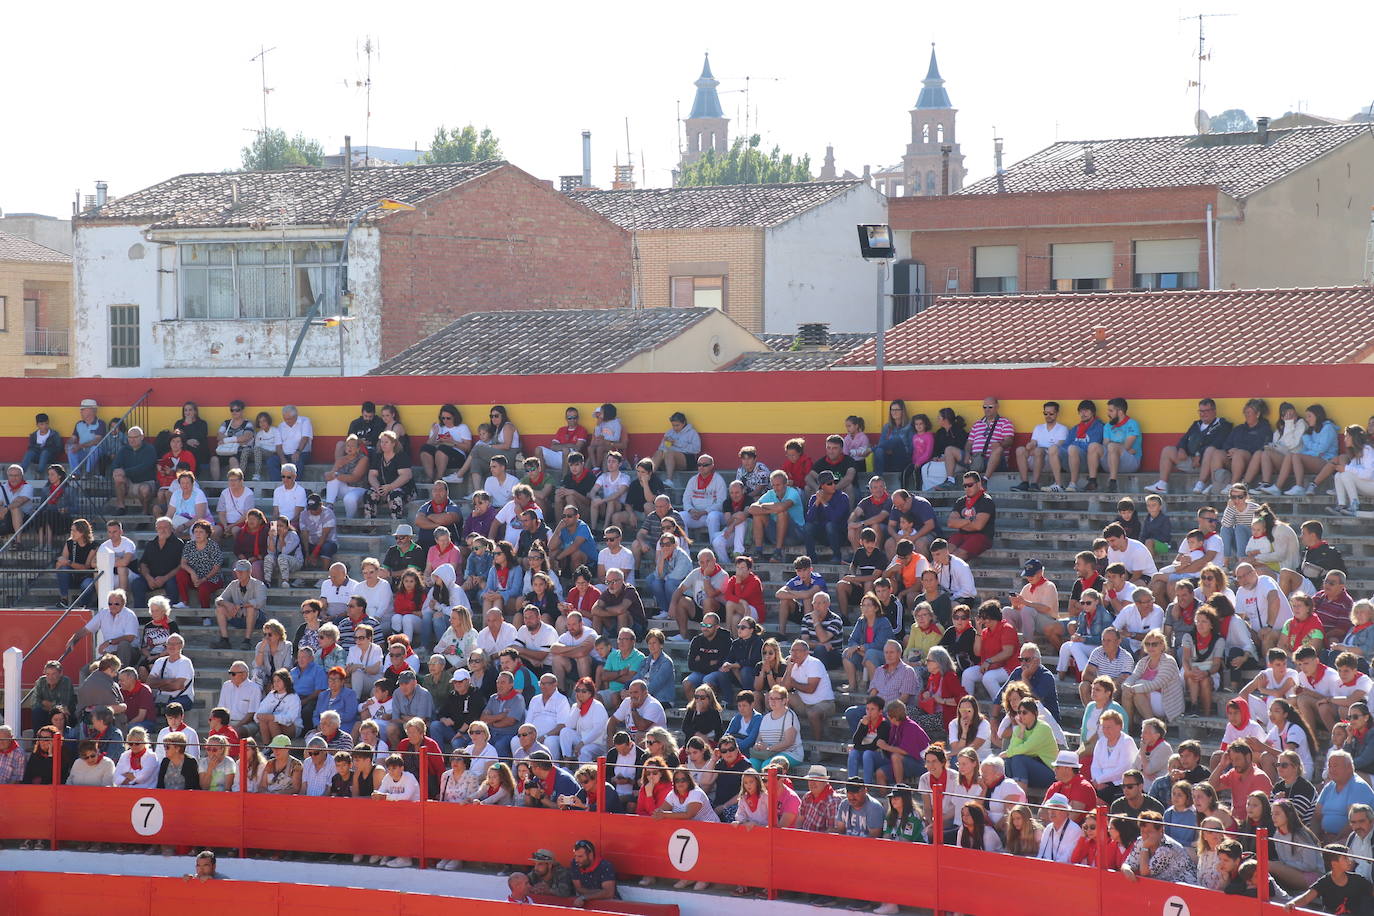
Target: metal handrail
<point x="87" y="463"/>
<point x="33" y="650"/>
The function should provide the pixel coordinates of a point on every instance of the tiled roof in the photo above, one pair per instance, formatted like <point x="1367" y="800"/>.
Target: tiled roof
<point x="542" y="341"/>
<point x="707" y="207"/>
<point x="782" y="356"/>
<point x="1237" y="163"/>
<point x="301" y="196"/>
<point x="1261" y="327"/>
<point x="17" y="248"/>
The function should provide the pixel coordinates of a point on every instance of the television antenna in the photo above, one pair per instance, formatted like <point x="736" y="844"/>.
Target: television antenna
<point x="1202" y="55"/>
<point x="747" y="85"/>
<point x="261" y="58"/>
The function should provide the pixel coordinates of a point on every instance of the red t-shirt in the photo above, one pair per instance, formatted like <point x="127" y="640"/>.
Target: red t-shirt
<point x="797" y="471"/>
<point x="1241" y="786"/>
<point x="998" y="637"/>
<point x="583" y="601"/>
<point x="576" y="434"/>
<point x="1076" y="789"/>
<point x="751" y="593"/>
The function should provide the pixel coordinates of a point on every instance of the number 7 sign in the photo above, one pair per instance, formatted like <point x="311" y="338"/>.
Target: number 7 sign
<point x="683" y="850"/>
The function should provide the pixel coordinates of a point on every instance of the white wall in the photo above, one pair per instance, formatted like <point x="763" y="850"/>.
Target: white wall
<point x="812" y="270"/>
<point x="106" y="275"/>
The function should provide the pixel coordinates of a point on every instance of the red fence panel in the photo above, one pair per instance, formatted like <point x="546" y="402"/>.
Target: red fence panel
<point x="906" y="874"/>
<point x="484" y="833"/>
<point x="90" y="814"/>
<point x="695" y="850"/>
<point x="366" y="825"/>
<point x="27" y="813"/>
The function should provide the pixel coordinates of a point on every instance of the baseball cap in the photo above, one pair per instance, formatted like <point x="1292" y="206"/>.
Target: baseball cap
<point x="1032" y="567"/>
<point x="280" y="741"/>
<point x="461" y="675"/>
<point x="854" y="783"/>
<point x="405" y="531"/>
<point x="825" y="477"/>
<point x="313" y="501"/>
<point x="89" y="402"/>
<point x="1068" y="759"/>
<point x="243" y="566"/>
<point x="543" y="855"/>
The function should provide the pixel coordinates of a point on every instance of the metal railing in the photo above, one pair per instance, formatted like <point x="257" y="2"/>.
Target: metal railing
<point x="85" y="493"/>
<point x="77" y="605"/>
<point x="46" y="341"/>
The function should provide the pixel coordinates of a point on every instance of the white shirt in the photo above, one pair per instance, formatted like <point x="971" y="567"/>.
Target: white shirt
<point x="145" y="777"/>
<point x="110" y="626"/>
<point x="291" y="436"/>
<point x="166" y="668"/>
<point x="492" y="645"/>
<point x="1328" y="684"/>
<point x="957" y="578"/>
<point x="1006" y="795"/>
<point x="1294" y="735"/>
<point x="651" y="710"/>
<point x="567" y="639"/>
<point x="482" y="759"/>
<point x="1136" y="558"/>
<point x="984" y="732"/>
<point x="1253" y="604"/>
<point x="235" y="507"/>
<point x="1362" y="682"/>
<point x="404" y="789"/>
<point x="500" y="492"/>
<point x="286" y="501"/>
<point x="591" y="728"/>
<point x="706" y="812"/>
<point x="241" y="701"/>
<point x="813" y="667"/>
<point x="378" y="597"/>
<point x="192" y="741"/>
<point x="1252" y="730"/>
<point x="1129" y="620"/>
<point x="1057" y="843"/>
<point x="336" y="597"/>
<point x="509" y="515"/>
<point x="1111" y="763"/>
<point x="545" y="714"/>
<point x="1050" y="437"/>
<point x="621" y="559"/>
<point x="694" y="586"/>
<point x="105" y="557"/>
<point x="538" y="640"/>
<point x="355" y="656"/>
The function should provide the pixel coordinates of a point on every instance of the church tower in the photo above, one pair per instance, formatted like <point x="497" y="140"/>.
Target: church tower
<point x="932" y="127"/>
<point x="706" y="126"/>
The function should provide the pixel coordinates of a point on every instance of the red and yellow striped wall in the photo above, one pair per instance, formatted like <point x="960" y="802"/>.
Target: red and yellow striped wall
<point x="730" y="409"/>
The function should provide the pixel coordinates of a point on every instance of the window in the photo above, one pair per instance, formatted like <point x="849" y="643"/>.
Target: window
<point x="995" y="269"/>
<point x="257" y="279"/>
<point x="1081" y="266"/>
<point x="1166" y="263"/>
<point x="699" y="292"/>
<point x="4" y="318"/>
<point x="124" y="337"/>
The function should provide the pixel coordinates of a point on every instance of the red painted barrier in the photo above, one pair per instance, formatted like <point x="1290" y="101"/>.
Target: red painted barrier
<point x="932" y="877"/>
<point x="24" y="627"/>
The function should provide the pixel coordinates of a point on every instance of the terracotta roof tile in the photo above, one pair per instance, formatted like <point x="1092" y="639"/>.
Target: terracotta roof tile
<point x="542" y="341"/>
<point x="302" y="196"/>
<point x="708" y="207"/>
<point x="17" y="248"/>
<point x="1237" y="163"/>
<point x="1143" y="328"/>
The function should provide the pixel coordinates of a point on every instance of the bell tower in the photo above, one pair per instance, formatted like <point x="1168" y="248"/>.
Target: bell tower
<point x="706" y="126"/>
<point x="932" y="128"/>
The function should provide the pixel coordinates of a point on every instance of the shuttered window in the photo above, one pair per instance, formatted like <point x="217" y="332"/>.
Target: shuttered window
<point x="995" y="261"/>
<point x="1081" y="261"/>
<point x="1157" y="256"/>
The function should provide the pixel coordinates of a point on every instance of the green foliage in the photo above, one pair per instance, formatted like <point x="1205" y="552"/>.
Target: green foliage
<point x="745" y="163"/>
<point x="1232" y="120"/>
<point x="272" y="149"/>
<point x="462" y="145"/>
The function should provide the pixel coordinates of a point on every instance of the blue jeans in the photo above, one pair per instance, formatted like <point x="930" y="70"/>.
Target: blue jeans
<point x="726" y="683"/>
<point x="892" y="455"/>
<point x="40" y="457"/>
<point x="67" y="582"/>
<point x="502" y="737"/>
<point x="444" y="735"/>
<point x="868" y="761"/>
<point x="1030" y="770"/>
<point x="833" y="533"/>
<point x="662" y="589"/>
<point x="1234" y="539"/>
<point x="853" y="714"/>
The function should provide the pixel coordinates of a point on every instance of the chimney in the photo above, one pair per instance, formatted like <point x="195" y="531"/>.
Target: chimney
<point x="1089" y="161"/>
<point x="1100" y="336"/>
<point x="348" y="159"/>
<point x="944" y="169"/>
<point x="586" y="159"/>
<point x="814" y="335"/>
<point x="1262" y="129"/>
<point x="997" y="163"/>
<point x="102" y="193"/>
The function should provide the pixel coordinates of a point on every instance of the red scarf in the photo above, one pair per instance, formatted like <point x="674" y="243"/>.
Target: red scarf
<point x="1202" y="646"/>
<point x="973" y="498"/>
<point x="1082" y="431"/>
<point x="933" y="628"/>
<point x="580" y="477"/>
<point x="941" y="782"/>
<point x="704" y="480"/>
<point x="1352" y="680"/>
<point x="1149" y="748"/>
<point x="753" y="800"/>
<point x="507" y="697"/>
<point x="1117" y="424"/>
<point x="967" y="785"/>
<point x="136" y="759"/>
<point x="1358" y="627"/>
<point x="502" y="575"/>
<point x="584" y="708"/>
<point x="1321" y="672"/>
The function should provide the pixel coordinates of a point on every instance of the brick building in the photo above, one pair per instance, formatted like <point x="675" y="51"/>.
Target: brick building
<point x="220" y="272"/>
<point x="772" y="256"/>
<point x="35" y="308"/>
<point x="1269" y="208"/>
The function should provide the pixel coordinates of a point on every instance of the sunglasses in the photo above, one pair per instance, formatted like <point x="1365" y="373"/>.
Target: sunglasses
<point x="970" y="486"/>
<point x="961" y="617"/>
<point x="700" y="696"/>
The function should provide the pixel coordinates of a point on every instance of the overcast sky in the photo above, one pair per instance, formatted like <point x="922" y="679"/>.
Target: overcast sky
<point x="135" y="94"/>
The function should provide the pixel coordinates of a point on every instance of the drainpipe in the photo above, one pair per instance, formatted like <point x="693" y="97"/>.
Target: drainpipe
<point x="1211" y="250"/>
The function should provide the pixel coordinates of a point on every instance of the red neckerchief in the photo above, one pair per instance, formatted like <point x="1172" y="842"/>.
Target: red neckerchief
<point x="1203" y="646"/>
<point x="1149" y="748"/>
<point x="1321" y="673"/>
<point x="1361" y="626"/>
<point x="99" y="740"/>
<point x="401" y="670"/>
<point x="1117" y="424"/>
<point x="941" y="782"/>
<point x="1354" y="679"/>
<point x="136" y="759"/>
<point x="680" y="796"/>
<point x="1082" y="431"/>
<point x="1298" y="630"/>
<point x="507" y="697"/>
<point x="967" y="785"/>
<point x="992" y="786"/>
<point x="1188" y="614"/>
<point x="705" y="481"/>
<point x="753" y="801"/>
<point x="584" y="708"/>
<point x="933" y="628"/>
<point x="973" y="498"/>
<point x="502" y="575"/>
<point x="740" y="505"/>
<point x="537" y="481"/>
<point x="580" y="477"/>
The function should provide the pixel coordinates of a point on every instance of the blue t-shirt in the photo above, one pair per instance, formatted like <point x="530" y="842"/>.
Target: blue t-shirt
<point x="1093" y="434"/>
<point x="796" y="512"/>
<point x="566" y="537"/>
<point x="1335" y="804"/>
<point x="795" y="584"/>
<point x="594" y="878"/>
<point x="1113" y="433"/>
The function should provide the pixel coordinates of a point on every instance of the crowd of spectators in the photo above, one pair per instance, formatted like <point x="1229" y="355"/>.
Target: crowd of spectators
<point x="516" y="630"/>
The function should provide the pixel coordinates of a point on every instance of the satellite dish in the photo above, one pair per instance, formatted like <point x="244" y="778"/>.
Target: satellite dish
<point x="1202" y="121"/>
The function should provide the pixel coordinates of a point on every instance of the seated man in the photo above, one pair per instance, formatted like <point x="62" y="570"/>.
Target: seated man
<point x="827" y="511"/>
<point x="912" y="518"/>
<point x="296" y="439"/>
<point x="438" y="512"/>
<point x="652" y="526"/>
<point x="318" y="530"/>
<point x="245" y="597"/>
<point x="989" y="439"/>
<point x="839" y="465"/>
<point x="779" y="516"/>
<point x="572" y="436"/>
<point x="86" y="436"/>
<point x="795" y="596"/>
<point x="134" y="472"/>
<point x="872" y="512"/>
<point x="1033" y="457"/>
<point x="700" y="594"/>
<point x="972" y="523"/>
<point x="1208" y="431"/>
<point x="1120" y="445"/>
<point x="702" y="498"/>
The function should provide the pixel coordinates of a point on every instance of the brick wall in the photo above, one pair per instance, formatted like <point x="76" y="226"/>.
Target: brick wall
<point x="740" y="249"/>
<point x="503" y="241"/>
<point x="945" y="230"/>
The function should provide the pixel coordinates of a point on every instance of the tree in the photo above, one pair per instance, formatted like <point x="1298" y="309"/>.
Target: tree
<point x="1232" y="120"/>
<point x="745" y="163"/>
<point x="462" y="145"/>
<point x="272" y="149"/>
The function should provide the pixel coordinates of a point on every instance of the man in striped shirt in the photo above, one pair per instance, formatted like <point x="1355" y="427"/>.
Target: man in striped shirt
<point x="990" y="437"/>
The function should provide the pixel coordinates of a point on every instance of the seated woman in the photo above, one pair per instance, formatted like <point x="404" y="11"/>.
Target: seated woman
<point x="870" y="634"/>
<point x="347" y="479"/>
<point x="607" y="496"/>
<point x="187" y="504"/>
<point x="608" y="435"/>
<point x="177" y="458"/>
<point x="138" y="765"/>
<point x="505" y="441"/>
<point x="279" y="713"/>
<point x="448" y="443"/>
<point x="680" y="446"/>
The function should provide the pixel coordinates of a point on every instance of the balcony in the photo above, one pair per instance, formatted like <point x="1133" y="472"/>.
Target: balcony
<point x="46" y="341"/>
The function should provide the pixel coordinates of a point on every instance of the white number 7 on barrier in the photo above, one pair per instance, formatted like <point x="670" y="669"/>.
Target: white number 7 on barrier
<point x="1176" y="906"/>
<point x="683" y="850"/>
<point x="146" y="816"/>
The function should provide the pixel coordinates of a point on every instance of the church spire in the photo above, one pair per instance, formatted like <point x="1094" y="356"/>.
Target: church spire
<point x="933" y="94"/>
<point x="707" y="103"/>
